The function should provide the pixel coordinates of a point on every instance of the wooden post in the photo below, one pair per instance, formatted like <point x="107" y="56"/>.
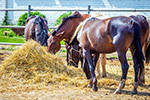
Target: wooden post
<point x="89" y="8"/>
<point x="29" y="9"/>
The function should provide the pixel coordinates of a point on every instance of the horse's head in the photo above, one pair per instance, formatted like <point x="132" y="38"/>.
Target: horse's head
<point x="73" y="53"/>
<point x="53" y="44"/>
<point x="65" y="30"/>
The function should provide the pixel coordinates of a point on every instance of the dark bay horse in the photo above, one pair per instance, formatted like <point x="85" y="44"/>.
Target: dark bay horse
<point x="74" y="52"/>
<point x="36" y="28"/>
<point x="115" y="34"/>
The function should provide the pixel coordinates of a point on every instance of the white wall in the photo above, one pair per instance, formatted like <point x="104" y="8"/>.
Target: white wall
<point x="2" y="13"/>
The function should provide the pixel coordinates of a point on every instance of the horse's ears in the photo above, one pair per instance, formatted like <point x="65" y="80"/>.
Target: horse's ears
<point x="60" y="34"/>
<point x="76" y="13"/>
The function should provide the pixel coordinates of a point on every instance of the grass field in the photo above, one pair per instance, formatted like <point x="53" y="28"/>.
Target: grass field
<point x="8" y="39"/>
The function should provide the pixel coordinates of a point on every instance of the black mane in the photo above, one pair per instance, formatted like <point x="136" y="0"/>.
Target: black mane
<point x="64" y="20"/>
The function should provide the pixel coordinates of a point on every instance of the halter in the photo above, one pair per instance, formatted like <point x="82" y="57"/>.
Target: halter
<point x="71" y="58"/>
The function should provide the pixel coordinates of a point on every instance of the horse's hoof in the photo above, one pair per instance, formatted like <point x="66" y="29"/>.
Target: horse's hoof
<point x="98" y="76"/>
<point x="117" y="92"/>
<point x="134" y="91"/>
<point x="89" y="86"/>
<point x="95" y="89"/>
<point x="103" y="76"/>
<point x="140" y="83"/>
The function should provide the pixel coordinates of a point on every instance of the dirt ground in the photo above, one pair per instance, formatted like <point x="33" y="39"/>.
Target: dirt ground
<point x="106" y="86"/>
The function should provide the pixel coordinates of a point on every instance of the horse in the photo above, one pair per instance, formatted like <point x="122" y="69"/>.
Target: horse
<point x="36" y="28"/>
<point x="65" y="31"/>
<point x="74" y="52"/>
<point x="115" y="34"/>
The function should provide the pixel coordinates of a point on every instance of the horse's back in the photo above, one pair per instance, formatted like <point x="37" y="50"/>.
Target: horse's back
<point x="95" y="35"/>
<point x="143" y="23"/>
<point x="121" y="30"/>
<point x="103" y="35"/>
<point x="36" y="28"/>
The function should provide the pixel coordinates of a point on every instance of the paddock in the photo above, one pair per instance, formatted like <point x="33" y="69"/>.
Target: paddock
<point x="69" y="87"/>
<point x="74" y="87"/>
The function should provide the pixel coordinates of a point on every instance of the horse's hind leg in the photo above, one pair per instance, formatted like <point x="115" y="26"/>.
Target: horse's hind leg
<point x="88" y="56"/>
<point x="138" y="64"/>
<point x="136" y="70"/>
<point x="142" y="69"/>
<point x="125" y="67"/>
<point x="142" y="74"/>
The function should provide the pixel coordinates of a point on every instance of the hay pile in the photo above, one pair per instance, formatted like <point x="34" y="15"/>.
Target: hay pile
<point x="32" y="64"/>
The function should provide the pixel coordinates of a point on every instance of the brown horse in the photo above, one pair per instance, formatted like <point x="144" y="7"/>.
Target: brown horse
<point x="64" y="31"/>
<point x="74" y="53"/>
<point x="36" y="28"/>
<point x="110" y="35"/>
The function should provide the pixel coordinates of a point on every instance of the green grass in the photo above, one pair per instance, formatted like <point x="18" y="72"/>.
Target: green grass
<point x="12" y="39"/>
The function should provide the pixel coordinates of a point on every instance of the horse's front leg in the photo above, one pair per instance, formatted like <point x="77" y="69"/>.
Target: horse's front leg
<point x="103" y="64"/>
<point x="98" y="67"/>
<point x="125" y="67"/>
<point x="87" y="54"/>
<point x="102" y="61"/>
<point x="85" y="68"/>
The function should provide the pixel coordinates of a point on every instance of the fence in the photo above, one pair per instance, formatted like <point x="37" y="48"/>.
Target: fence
<point x="88" y="9"/>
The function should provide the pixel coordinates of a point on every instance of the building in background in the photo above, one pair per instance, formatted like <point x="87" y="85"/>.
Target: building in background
<point x="13" y="16"/>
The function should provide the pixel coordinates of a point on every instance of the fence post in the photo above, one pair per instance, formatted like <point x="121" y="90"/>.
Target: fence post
<point x="29" y="9"/>
<point x="89" y="8"/>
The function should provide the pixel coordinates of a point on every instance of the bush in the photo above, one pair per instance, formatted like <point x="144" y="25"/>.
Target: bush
<point x="22" y="18"/>
<point x="4" y="22"/>
<point x="11" y="33"/>
<point x="58" y="21"/>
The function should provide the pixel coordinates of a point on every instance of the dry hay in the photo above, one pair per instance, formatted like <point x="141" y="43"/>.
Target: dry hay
<point x="31" y="64"/>
<point x="32" y="68"/>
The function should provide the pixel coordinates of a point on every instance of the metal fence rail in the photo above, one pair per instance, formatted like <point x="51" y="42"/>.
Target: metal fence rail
<point x="21" y="27"/>
<point x="88" y="9"/>
<point x="19" y="44"/>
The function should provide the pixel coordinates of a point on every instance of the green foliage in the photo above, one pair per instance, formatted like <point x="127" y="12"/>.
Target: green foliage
<point x="23" y="17"/>
<point x="4" y="22"/>
<point x="11" y="33"/>
<point x="58" y="21"/>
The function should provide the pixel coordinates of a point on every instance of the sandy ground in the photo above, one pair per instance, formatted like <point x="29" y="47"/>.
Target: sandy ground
<point x="62" y="92"/>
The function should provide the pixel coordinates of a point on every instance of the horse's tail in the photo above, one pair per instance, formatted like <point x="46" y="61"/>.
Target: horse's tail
<point x="137" y="43"/>
<point x="42" y="33"/>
